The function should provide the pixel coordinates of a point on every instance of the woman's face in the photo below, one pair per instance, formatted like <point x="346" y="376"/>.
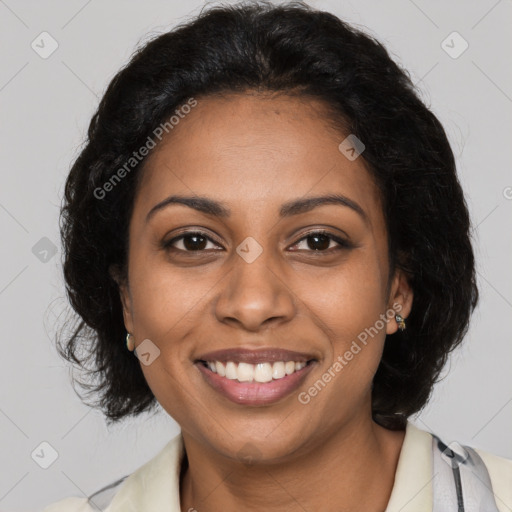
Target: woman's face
<point x="253" y="279"/>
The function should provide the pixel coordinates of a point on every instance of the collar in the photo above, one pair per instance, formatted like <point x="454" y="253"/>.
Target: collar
<point x="412" y="490"/>
<point x="155" y="486"/>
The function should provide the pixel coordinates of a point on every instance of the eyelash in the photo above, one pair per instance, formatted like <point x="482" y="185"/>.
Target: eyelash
<point x="342" y="244"/>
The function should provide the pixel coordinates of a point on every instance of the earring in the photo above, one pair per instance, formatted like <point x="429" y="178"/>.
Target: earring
<point x="400" y="320"/>
<point x="130" y="342"/>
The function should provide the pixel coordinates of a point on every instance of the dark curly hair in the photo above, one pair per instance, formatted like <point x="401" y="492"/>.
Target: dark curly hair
<point x="290" y="49"/>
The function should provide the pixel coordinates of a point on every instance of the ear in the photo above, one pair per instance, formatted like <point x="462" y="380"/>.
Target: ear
<point x="124" y="293"/>
<point x="400" y="299"/>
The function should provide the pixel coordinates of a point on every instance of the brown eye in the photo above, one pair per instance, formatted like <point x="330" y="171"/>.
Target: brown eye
<point x="191" y="241"/>
<point x="320" y="241"/>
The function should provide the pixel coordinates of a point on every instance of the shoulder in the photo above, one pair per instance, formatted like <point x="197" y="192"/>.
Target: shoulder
<point x="70" y="505"/>
<point x="146" y="483"/>
<point x="500" y="473"/>
<point x="456" y="471"/>
<point x="483" y="479"/>
<point x="100" y="500"/>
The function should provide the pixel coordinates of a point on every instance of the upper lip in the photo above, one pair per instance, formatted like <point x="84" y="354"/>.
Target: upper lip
<point x="262" y="355"/>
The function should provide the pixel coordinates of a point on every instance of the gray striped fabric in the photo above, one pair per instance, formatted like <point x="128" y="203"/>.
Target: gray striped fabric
<point x="460" y="479"/>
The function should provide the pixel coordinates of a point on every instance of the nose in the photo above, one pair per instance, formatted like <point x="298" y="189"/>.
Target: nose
<point x="255" y="295"/>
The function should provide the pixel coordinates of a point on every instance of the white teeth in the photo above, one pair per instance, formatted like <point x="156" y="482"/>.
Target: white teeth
<point x="278" y="370"/>
<point x="220" y="368"/>
<point x="260" y="372"/>
<point x="231" y="371"/>
<point x="263" y="372"/>
<point x="289" y="367"/>
<point x="245" y="372"/>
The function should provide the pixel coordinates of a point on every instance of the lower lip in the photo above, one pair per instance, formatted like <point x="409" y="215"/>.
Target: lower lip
<point x="255" y="393"/>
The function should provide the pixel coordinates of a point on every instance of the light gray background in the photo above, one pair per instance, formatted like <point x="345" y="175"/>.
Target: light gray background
<point x="46" y="105"/>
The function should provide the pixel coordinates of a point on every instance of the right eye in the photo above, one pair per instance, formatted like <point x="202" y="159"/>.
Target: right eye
<point x="191" y="241"/>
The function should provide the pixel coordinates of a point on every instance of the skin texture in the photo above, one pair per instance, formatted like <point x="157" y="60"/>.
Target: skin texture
<point x="254" y="152"/>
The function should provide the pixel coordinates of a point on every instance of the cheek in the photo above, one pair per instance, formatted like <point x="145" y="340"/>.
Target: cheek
<point x="348" y="298"/>
<point x="167" y="385"/>
<point x="349" y="304"/>
<point x="166" y="299"/>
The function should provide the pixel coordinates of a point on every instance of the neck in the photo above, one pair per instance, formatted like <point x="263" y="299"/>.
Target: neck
<point x="352" y="469"/>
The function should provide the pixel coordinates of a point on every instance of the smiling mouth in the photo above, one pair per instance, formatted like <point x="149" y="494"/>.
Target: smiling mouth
<point x="260" y="372"/>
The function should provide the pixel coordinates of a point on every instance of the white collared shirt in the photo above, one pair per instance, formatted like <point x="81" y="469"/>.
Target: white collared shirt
<point x="154" y="487"/>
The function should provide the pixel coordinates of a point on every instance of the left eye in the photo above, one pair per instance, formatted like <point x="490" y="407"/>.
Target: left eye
<point x="320" y="241"/>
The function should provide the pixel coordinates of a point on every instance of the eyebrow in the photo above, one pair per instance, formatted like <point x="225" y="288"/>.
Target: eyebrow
<point x="294" y="207"/>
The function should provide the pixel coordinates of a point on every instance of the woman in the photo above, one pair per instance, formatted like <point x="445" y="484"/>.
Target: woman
<point x="271" y="218"/>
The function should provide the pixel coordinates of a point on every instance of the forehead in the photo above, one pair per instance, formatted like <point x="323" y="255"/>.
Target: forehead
<point x="255" y="150"/>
